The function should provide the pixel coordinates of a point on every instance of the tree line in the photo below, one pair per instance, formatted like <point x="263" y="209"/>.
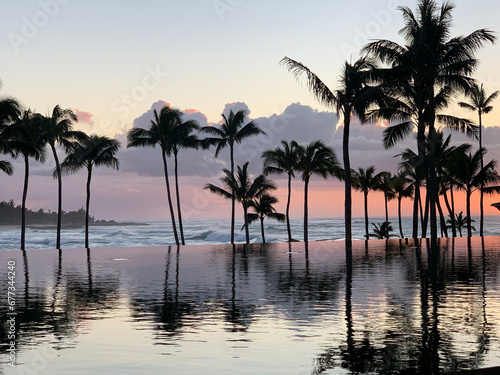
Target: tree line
<point x="409" y="85"/>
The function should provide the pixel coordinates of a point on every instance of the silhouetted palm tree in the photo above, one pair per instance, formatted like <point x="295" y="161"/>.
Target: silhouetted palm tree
<point x="263" y="207"/>
<point x="428" y="70"/>
<point x="471" y="177"/>
<point x="382" y="230"/>
<point x="365" y="180"/>
<point x="460" y="222"/>
<point x="242" y="189"/>
<point x="315" y="159"/>
<point x="9" y="111"/>
<point x="231" y="131"/>
<point x="352" y="97"/>
<point x="480" y="102"/>
<point x="385" y="186"/>
<point x="403" y="188"/>
<point x="57" y="128"/>
<point x="182" y="137"/>
<point x="282" y="160"/>
<point x="30" y="145"/>
<point x="159" y="133"/>
<point x="95" y="151"/>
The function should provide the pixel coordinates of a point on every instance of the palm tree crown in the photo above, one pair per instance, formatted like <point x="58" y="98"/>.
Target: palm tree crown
<point x="263" y="207"/>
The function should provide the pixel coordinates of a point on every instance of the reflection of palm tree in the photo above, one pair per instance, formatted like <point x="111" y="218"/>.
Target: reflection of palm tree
<point x="278" y="161"/>
<point x="317" y="159"/>
<point x="348" y="99"/>
<point x="242" y="189"/>
<point x="231" y="130"/>
<point x="263" y="207"/>
<point x="480" y="103"/>
<point x="159" y="133"/>
<point x="365" y="180"/>
<point x="95" y="151"/>
<point x="58" y="129"/>
<point x="29" y="145"/>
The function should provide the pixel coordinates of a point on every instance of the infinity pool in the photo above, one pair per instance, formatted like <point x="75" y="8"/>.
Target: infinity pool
<point x="258" y="309"/>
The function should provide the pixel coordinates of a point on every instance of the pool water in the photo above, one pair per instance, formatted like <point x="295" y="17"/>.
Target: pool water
<point x="257" y="309"/>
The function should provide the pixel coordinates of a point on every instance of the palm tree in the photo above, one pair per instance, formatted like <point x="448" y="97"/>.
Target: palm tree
<point x="315" y="159"/>
<point x="9" y="111"/>
<point x="424" y="75"/>
<point x="460" y="222"/>
<point x="350" y="98"/>
<point x="182" y="137"/>
<point x="159" y="133"/>
<point x="57" y="128"/>
<point x="471" y="177"/>
<point x="95" y="151"/>
<point x="365" y="180"/>
<point x="30" y="145"/>
<point x="282" y="160"/>
<point x="231" y="131"/>
<point x="263" y="207"/>
<point x="385" y="186"/>
<point x="480" y="102"/>
<point x="242" y="189"/>
<point x="403" y="188"/>
<point x="382" y="230"/>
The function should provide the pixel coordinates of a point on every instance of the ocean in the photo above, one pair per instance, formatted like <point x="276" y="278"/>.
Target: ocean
<point x="207" y="231"/>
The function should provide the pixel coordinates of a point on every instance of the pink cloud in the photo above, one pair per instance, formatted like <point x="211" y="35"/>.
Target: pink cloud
<point x="83" y="116"/>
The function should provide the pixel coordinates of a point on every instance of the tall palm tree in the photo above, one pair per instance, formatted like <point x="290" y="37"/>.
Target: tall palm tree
<point x="403" y="188"/>
<point x="182" y="137"/>
<point x="365" y="180"/>
<point x="351" y="97"/>
<point x="95" y="151"/>
<point x="471" y="177"/>
<point x="263" y="207"/>
<point x="57" y="128"/>
<point x="159" y="133"/>
<point x="232" y="130"/>
<point x="481" y="103"/>
<point x="30" y="145"/>
<point x="282" y="160"/>
<point x="242" y="189"/>
<point x="385" y="186"/>
<point x="430" y="68"/>
<point x="315" y="159"/>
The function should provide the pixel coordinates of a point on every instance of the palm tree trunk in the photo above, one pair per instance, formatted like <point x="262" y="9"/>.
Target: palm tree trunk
<point x="426" y="217"/>
<point x="262" y="229"/>
<point x="179" y="215"/>
<point x="23" y="204"/>
<point x="87" y="208"/>
<point x="365" y="193"/>
<point x="347" y="183"/>
<point x="432" y="188"/>
<point x="288" y="208"/>
<point x="399" y="217"/>
<point x="418" y="174"/>
<point x="481" y="198"/>
<point x="469" y="218"/>
<point x="386" y="209"/>
<point x="306" y="236"/>
<point x="452" y="214"/>
<point x="442" y="220"/>
<point x="233" y="199"/>
<point x="247" y="233"/>
<point x="421" y="213"/>
<point x="172" y="217"/>
<point x="59" y="197"/>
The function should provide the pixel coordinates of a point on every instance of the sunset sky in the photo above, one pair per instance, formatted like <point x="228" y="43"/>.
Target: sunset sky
<point x="113" y="61"/>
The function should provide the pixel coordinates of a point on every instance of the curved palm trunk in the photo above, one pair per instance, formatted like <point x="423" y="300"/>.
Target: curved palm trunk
<point x="442" y="221"/>
<point x="426" y="217"/>
<point x="87" y="208"/>
<point x="416" y="204"/>
<point x="469" y="218"/>
<point x="306" y="216"/>
<point x="23" y="204"/>
<point x="386" y="208"/>
<point x="233" y="197"/>
<point x="179" y="215"/>
<point x="365" y="193"/>
<point x="347" y="183"/>
<point x="59" y="197"/>
<point x="247" y="232"/>
<point x="399" y="217"/>
<point x="262" y="229"/>
<point x="172" y="217"/>
<point x="481" y="198"/>
<point x="287" y="209"/>
<point x="452" y="214"/>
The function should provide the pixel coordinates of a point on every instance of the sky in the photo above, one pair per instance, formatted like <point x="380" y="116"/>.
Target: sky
<point x="114" y="61"/>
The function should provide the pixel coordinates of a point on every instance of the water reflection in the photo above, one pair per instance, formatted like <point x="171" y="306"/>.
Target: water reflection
<point x="388" y="307"/>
